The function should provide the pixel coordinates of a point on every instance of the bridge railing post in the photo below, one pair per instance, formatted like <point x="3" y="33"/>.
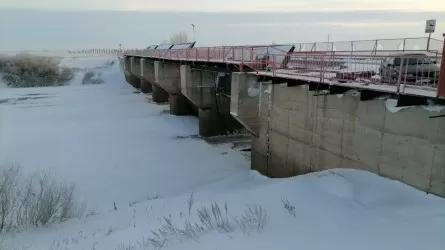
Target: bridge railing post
<point x="441" y="85"/>
<point x="274" y="65"/>
<point x="208" y="54"/>
<point x="241" y="68"/>
<point x="400" y="86"/>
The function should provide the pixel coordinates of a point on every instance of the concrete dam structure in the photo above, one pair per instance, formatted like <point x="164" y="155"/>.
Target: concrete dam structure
<point x="305" y="112"/>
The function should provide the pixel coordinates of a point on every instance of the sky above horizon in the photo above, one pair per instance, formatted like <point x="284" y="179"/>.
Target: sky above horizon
<point x="80" y="24"/>
<point x="227" y="5"/>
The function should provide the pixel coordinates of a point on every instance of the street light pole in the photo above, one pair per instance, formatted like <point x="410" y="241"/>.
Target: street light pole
<point x="194" y="38"/>
<point x="428" y="43"/>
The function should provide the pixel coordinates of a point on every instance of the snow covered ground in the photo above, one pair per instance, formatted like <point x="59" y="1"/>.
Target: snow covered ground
<point x="119" y="148"/>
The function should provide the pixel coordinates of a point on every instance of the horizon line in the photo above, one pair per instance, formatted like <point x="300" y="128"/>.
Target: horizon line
<point x="224" y="11"/>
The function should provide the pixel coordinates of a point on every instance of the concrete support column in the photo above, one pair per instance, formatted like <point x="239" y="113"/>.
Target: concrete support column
<point x="179" y="105"/>
<point x="134" y="80"/>
<point x="168" y="76"/>
<point x="127" y="77"/>
<point x="137" y="82"/>
<point x="127" y="63"/>
<point x="145" y="85"/>
<point x="131" y="64"/>
<point x="186" y="79"/>
<point x="159" y="95"/>
<point x="157" y="65"/>
<point x="210" y="123"/>
<point x="197" y="86"/>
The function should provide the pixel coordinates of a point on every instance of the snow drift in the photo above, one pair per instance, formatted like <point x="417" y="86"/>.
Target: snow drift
<point x="142" y="170"/>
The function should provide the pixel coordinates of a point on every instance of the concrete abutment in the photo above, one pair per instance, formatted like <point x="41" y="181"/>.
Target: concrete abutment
<point x="297" y="132"/>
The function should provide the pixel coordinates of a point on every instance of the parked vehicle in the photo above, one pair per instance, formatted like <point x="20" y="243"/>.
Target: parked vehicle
<point x="414" y="68"/>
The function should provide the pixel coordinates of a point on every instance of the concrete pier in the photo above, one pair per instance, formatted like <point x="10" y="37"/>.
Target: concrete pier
<point x="204" y="88"/>
<point x="135" y="70"/>
<point x="146" y="72"/>
<point x="126" y="65"/>
<point x="217" y="120"/>
<point x="168" y="76"/>
<point x="197" y="86"/>
<point x="159" y="95"/>
<point x="146" y="87"/>
<point x="179" y="105"/>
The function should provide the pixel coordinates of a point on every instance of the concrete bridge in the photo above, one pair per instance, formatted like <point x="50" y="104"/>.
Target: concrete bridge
<point x="311" y="110"/>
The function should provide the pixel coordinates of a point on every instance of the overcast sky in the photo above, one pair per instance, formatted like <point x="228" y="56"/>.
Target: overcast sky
<point x="74" y="24"/>
<point x="227" y="5"/>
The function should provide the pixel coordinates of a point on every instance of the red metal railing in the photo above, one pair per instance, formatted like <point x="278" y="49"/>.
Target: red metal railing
<point x="415" y="72"/>
<point x="69" y="53"/>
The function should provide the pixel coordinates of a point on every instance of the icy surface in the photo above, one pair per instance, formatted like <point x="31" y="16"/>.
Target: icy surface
<point x="117" y="146"/>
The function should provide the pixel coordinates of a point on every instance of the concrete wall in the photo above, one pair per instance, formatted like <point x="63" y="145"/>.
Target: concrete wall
<point x="299" y="133"/>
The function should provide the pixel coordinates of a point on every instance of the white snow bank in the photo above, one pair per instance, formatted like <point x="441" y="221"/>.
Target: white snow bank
<point x="391" y="106"/>
<point x="337" y="209"/>
<point x="119" y="148"/>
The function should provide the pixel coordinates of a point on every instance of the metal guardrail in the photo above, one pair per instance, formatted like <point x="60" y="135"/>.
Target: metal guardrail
<point x="417" y="71"/>
<point x="70" y="53"/>
<point x="373" y="46"/>
<point x="395" y="68"/>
